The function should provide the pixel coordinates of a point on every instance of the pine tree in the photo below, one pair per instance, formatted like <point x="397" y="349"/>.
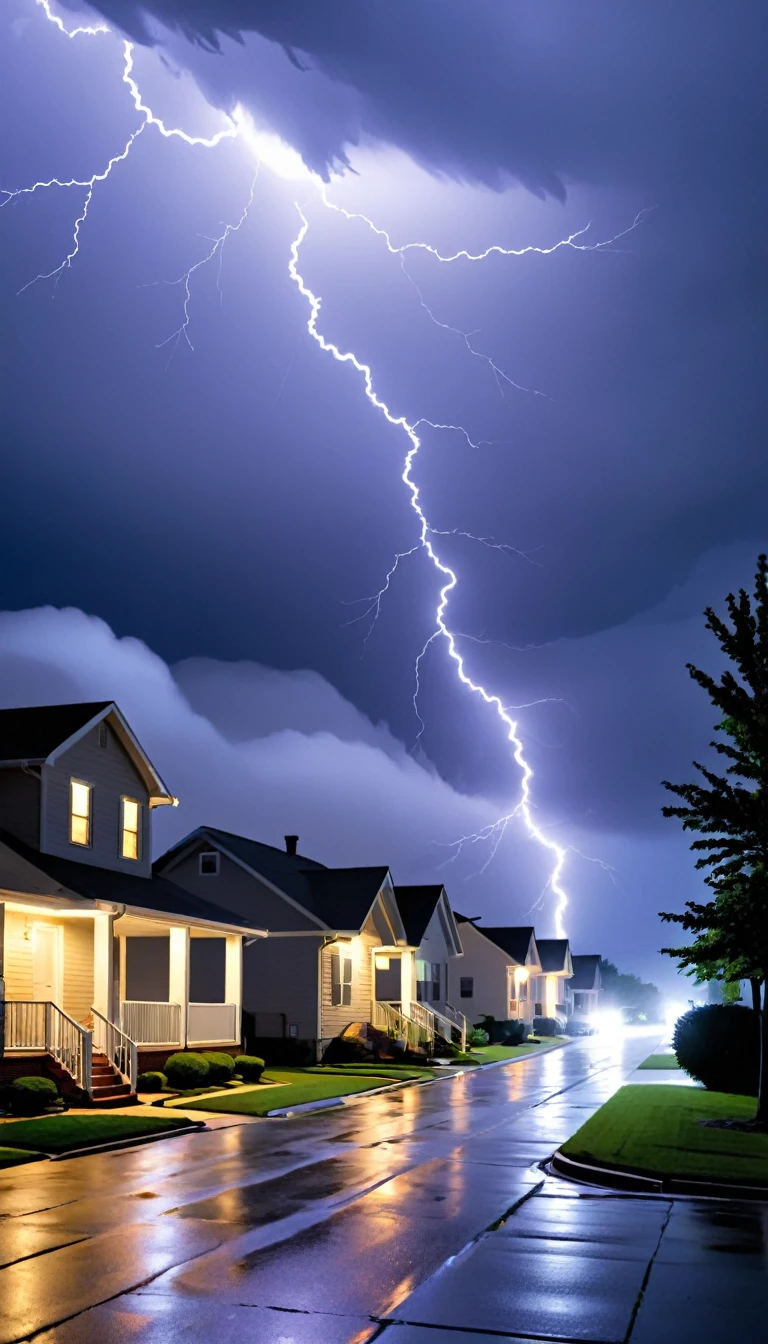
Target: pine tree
<point x="729" y="812"/>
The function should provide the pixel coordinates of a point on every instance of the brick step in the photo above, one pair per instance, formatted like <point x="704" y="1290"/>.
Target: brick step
<point x="112" y="1089"/>
<point x="107" y="1103"/>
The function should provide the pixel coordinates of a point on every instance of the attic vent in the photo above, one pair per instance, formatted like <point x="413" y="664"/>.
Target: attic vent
<point x="102" y="734"/>
<point x="209" y="863"/>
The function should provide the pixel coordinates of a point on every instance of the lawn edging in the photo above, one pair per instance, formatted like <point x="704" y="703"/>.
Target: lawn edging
<point x="193" y="1127"/>
<point x="635" y="1183"/>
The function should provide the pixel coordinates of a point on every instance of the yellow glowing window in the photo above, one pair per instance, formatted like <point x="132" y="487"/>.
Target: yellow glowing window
<point x="79" y="813"/>
<point x="131" y="823"/>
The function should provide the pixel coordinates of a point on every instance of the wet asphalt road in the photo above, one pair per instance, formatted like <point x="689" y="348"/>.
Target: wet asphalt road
<point x="417" y="1217"/>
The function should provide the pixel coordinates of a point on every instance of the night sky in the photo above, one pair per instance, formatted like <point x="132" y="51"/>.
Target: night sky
<point x="187" y="530"/>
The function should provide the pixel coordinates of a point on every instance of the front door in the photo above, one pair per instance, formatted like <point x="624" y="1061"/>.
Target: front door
<point x="46" y="963"/>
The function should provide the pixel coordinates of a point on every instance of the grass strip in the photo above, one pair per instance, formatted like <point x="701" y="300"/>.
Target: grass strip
<point x="403" y="1072"/>
<point x="300" y="1087"/>
<point x="13" y="1157"/>
<point x="65" y="1133"/>
<point x="660" y="1062"/>
<point x="490" y="1054"/>
<point x="655" y="1131"/>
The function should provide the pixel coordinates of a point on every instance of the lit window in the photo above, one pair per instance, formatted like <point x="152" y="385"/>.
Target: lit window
<point x="209" y="863"/>
<point x="130" y="829"/>
<point x="79" y="813"/>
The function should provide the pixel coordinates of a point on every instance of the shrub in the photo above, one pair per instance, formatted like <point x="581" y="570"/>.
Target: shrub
<point x="719" y="1046"/>
<point x="477" y="1037"/>
<point x="220" y="1066"/>
<point x="511" y="1032"/>
<point x="187" y="1070"/>
<point x="250" y="1067"/>
<point x="545" y="1026"/>
<point x="31" y="1096"/>
<point x="151" y="1082"/>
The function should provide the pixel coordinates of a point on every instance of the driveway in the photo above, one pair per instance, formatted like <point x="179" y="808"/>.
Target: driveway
<point x="417" y="1217"/>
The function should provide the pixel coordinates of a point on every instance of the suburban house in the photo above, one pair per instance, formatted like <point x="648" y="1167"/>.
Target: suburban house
<point x="338" y="951"/>
<point x="550" y="991"/>
<point x="497" y="972"/>
<point x="105" y="968"/>
<point x="431" y="929"/>
<point x="584" y="986"/>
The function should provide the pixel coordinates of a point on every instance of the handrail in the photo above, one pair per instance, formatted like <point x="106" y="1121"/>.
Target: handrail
<point x="390" y="1016"/>
<point x="459" y="1020"/>
<point x="39" y="1024"/>
<point x="120" y="1050"/>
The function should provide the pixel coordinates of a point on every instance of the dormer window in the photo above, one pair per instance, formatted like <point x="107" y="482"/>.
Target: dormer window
<point x="79" y="812"/>
<point x="209" y="863"/>
<point x="130" y="828"/>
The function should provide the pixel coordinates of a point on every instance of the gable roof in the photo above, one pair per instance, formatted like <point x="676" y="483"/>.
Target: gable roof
<point x="417" y="906"/>
<point x="39" y="734"/>
<point x="554" y="955"/>
<point x="337" y="898"/>
<point x="516" y="942"/>
<point x="586" y="971"/>
<point x="146" y="893"/>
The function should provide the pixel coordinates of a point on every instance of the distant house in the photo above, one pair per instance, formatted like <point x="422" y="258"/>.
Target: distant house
<point x="431" y="929"/>
<point x="585" y="985"/>
<point x="550" y="991"/>
<point x="105" y="968"/>
<point x="497" y="972"/>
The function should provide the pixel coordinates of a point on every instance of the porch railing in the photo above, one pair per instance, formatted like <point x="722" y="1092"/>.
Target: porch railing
<point x="209" y="1023"/>
<point x="151" y="1023"/>
<point x="119" y="1049"/>
<point x="424" y="1019"/>
<point x="389" y="1017"/>
<point x="456" y="1020"/>
<point x="36" y="1025"/>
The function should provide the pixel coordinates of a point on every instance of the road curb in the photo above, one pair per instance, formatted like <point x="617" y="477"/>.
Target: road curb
<point x="194" y="1127"/>
<point x="634" y="1183"/>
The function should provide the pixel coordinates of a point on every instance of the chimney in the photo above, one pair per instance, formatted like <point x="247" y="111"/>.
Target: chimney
<point x="291" y="841"/>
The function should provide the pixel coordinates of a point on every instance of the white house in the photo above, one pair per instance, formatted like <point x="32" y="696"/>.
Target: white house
<point x="585" y="985"/>
<point x="105" y="969"/>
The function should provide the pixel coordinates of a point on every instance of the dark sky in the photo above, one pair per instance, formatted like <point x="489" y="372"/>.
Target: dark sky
<point x="217" y="513"/>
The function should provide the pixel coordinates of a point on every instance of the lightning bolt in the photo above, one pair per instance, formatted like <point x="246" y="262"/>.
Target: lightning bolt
<point x="426" y="533"/>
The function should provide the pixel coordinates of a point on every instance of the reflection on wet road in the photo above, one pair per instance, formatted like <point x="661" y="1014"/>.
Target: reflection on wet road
<point x="416" y="1217"/>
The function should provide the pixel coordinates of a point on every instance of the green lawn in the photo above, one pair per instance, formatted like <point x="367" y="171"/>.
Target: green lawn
<point x="13" y="1157"/>
<point x="660" y="1062"/>
<point x="489" y="1054"/>
<point x="654" y="1131"/>
<point x="301" y="1087"/>
<point x="61" y="1133"/>
<point x="399" y="1072"/>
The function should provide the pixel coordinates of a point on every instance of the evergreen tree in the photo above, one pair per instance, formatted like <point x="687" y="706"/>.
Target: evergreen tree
<point x="729" y="812"/>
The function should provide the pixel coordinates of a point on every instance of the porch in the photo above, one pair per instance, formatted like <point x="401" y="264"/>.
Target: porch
<point x="398" y="1010"/>
<point x="95" y="991"/>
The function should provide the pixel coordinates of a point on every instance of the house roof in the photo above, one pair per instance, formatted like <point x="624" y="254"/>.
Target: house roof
<point x="102" y="884"/>
<point x="554" y="955"/>
<point x="340" y="898"/>
<point x="586" y="971"/>
<point x="39" y="734"/>
<point x="417" y="906"/>
<point x="31" y="734"/>
<point x="515" y="942"/>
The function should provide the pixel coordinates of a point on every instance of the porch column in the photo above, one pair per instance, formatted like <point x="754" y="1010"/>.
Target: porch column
<point x="178" y="976"/>
<point x="2" y="978"/>
<point x="406" y="981"/>
<point x="233" y="979"/>
<point x="103" y="969"/>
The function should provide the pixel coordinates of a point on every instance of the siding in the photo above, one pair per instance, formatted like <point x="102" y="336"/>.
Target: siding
<point x="335" y="1019"/>
<point x="280" y="976"/>
<point x="434" y="948"/>
<point x="488" y="965"/>
<point x="238" y="891"/>
<point x="112" y="774"/>
<point x="20" y="806"/>
<point x="77" y="989"/>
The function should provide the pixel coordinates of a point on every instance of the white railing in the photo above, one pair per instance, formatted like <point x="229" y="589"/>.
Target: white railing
<point x="34" y="1025"/>
<point x="389" y="1017"/>
<point x="151" y="1023"/>
<point x="457" y="1020"/>
<point x="212" y="1023"/>
<point x="424" y="1019"/>
<point x="119" y="1049"/>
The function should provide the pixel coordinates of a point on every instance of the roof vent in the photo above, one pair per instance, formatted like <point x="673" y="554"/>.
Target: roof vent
<point x="291" y="841"/>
